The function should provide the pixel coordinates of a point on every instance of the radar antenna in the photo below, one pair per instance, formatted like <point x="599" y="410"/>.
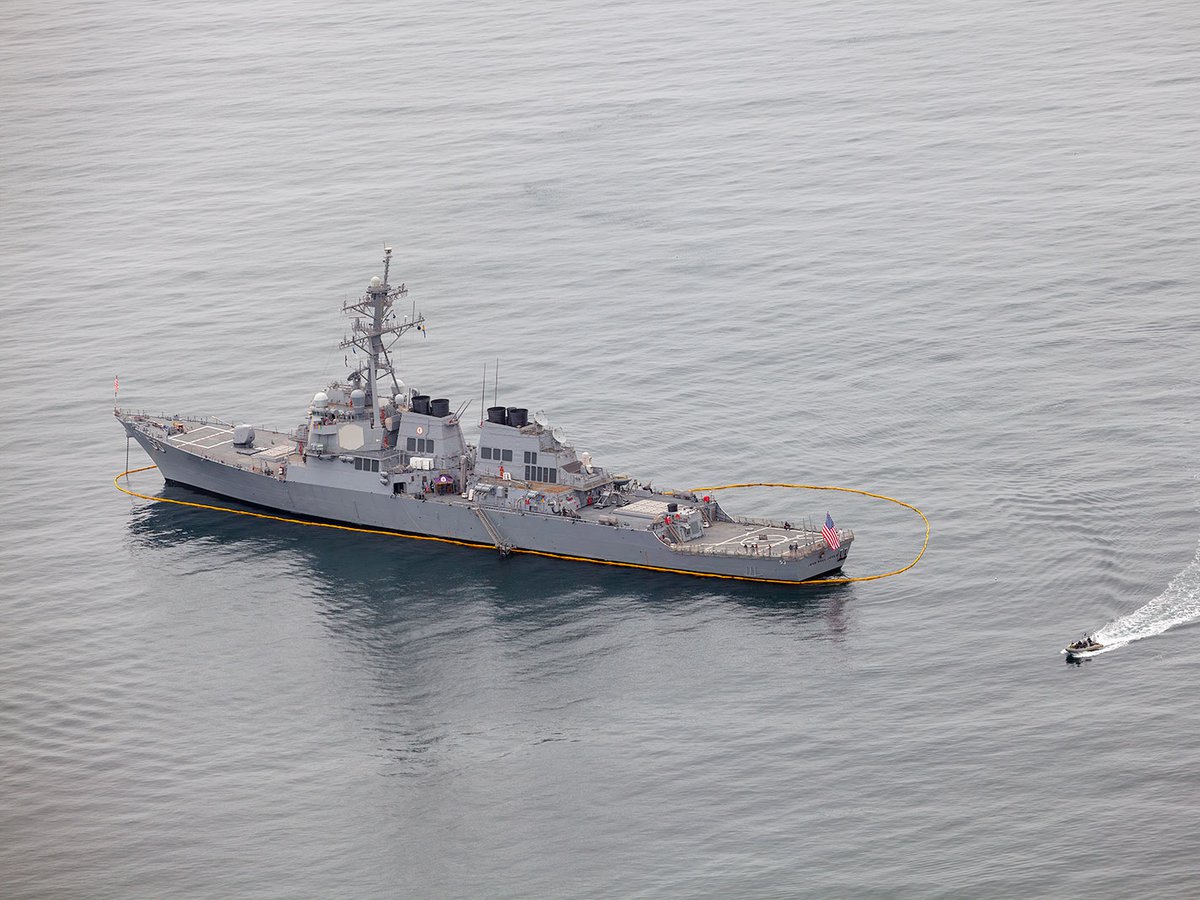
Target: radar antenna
<point x="374" y="329"/>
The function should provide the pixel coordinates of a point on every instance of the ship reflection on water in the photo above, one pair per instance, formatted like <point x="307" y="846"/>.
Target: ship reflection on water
<point x="435" y="660"/>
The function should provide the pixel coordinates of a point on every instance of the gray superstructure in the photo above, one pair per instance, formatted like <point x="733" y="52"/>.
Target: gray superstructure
<point x="375" y="453"/>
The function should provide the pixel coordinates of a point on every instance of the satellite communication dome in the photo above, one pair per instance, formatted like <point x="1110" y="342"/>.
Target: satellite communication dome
<point x="320" y="400"/>
<point x="375" y="282"/>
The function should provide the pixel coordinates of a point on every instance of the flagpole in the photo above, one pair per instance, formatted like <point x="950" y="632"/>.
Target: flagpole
<point x="116" y="388"/>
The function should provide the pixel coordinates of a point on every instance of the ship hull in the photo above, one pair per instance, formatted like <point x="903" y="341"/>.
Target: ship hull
<point x="455" y="520"/>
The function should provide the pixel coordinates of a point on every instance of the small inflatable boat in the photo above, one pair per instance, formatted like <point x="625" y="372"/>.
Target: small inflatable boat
<point x="1087" y="644"/>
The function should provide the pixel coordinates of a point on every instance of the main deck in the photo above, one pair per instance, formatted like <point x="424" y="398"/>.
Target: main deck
<point x="213" y="439"/>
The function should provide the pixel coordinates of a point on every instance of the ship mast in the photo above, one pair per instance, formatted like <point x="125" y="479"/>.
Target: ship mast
<point x="374" y="329"/>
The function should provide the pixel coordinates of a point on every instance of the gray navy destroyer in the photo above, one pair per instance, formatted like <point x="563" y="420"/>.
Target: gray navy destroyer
<point x="373" y="453"/>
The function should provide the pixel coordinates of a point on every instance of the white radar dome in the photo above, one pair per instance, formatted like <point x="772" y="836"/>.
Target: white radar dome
<point x="320" y="400"/>
<point x="375" y="282"/>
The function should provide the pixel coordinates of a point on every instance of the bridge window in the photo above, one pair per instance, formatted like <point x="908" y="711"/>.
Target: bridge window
<point x="485" y="452"/>
<point x="507" y="455"/>
<point x="541" y="473"/>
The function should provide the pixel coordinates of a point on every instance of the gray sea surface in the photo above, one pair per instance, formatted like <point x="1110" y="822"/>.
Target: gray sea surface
<point x="946" y="252"/>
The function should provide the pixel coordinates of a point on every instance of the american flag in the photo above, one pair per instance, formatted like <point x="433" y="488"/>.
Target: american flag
<point x="830" y="533"/>
<point x="116" y="385"/>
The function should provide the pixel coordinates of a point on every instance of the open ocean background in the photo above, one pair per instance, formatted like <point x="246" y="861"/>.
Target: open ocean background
<point x="947" y="252"/>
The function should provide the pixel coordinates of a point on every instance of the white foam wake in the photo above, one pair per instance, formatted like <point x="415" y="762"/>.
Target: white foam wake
<point x="1179" y="603"/>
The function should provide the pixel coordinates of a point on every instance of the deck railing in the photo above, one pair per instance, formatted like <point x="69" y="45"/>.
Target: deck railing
<point x="766" y="551"/>
<point x="199" y="420"/>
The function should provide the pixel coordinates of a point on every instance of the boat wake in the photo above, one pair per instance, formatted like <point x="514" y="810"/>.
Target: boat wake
<point x="1178" y="604"/>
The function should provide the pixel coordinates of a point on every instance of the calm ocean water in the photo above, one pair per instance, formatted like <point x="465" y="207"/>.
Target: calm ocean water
<point x="947" y="252"/>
